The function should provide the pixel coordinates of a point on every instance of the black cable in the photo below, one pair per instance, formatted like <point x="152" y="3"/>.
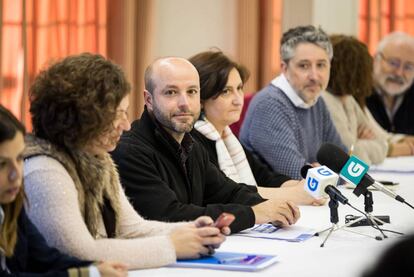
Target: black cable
<point x="375" y="227"/>
<point x="358" y="210"/>
<point x="371" y="222"/>
<point x="390" y="231"/>
<point x="409" y="205"/>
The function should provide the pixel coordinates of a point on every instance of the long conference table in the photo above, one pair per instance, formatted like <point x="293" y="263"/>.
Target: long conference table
<point x="345" y="254"/>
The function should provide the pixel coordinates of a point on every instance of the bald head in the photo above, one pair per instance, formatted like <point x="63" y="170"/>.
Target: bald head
<point x="172" y="94"/>
<point x="394" y="63"/>
<point x="165" y="65"/>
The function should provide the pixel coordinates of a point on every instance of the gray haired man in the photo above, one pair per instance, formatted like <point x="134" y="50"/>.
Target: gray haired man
<point x="287" y="121"/>
<point x="392" y="102"/>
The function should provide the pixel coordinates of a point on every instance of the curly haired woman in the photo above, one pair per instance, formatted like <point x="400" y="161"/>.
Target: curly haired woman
<point x="23" y="249"/>
<point x="79" y="111"/>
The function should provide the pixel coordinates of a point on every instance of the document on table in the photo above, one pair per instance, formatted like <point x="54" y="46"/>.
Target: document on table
<point x="397" y="164"/>
<point x="268" y="231"/>
<point x="230" y="261"/>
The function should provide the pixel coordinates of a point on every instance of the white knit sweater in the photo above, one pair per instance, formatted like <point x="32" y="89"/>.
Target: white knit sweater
<point x="54" y="209"/>
<point x="347" y="117"/>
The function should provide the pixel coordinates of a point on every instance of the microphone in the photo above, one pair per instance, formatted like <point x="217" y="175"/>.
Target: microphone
<point x="351" y="169"/>
<point x="321" y="181"/>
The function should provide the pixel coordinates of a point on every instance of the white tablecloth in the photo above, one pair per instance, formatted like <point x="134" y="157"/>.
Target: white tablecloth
<point x="345" y="253"/>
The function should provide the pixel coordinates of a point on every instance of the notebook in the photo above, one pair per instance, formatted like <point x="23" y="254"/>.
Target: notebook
<point x="230" y="261"/>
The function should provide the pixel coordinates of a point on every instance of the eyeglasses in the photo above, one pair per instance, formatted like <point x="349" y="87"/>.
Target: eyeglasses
<point x="395" y="64"/>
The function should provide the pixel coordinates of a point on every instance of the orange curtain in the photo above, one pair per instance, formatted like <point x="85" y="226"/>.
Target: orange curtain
<point x="259" y="32"/>
<point x="380" y="17"/>
<point x="270" y="35"/>
<point x="36" y="32"/>
<point x="130" y="29"/>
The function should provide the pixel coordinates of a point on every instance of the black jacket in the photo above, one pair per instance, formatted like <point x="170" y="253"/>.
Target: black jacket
<point x="263" y="174"/>
<point x="403" y="121"/>
<point x="161" y="189"/>
<point x="33" y="257"/>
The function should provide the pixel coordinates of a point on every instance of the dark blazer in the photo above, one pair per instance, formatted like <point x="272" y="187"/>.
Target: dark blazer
<point x="160" y="188"/>
<point x="33" y="257"/>
<point x="264" y="175"/>
<point x="403" y="121"/>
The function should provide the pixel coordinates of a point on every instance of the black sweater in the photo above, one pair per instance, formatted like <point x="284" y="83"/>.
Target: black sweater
<point x="263" y="174"/>
<point x="33" y="257"/>
<point x="160" y="188"/>
<point x="403" y="121"/>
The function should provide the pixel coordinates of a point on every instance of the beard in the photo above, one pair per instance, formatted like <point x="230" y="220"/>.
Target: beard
<point x="389" y="83"/>
<point x="175" y="125"/>
<point x="400" y="85"/>
<point x="308" y="97"/>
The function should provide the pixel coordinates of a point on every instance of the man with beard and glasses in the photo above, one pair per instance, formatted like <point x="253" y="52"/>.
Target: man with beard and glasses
<point x="392" y="102"/>
<point x="167" y="175"/>
<point x="287" y="121"/>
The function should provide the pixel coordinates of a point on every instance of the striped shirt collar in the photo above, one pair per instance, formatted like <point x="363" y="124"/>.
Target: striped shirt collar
<point x="282" y="83"/>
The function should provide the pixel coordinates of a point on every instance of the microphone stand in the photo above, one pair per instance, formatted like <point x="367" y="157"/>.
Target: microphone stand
<point x="333" y="208"/>
<point x="368" y="207"/>
<point x="334" y="218"/>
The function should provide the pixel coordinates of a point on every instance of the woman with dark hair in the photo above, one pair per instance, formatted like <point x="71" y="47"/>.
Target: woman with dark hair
<point x="79" y="111"/>
<point x="23" y="250"/>
<point x="351" y="71"/>
<point x="350" y="83"/>
<point x="221" y="93"/>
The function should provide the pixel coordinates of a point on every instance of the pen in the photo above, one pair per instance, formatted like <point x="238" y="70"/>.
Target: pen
<point x="236" y="259"/>
<point x="351" y="150"/>
<point x="388" y="183"/>
<point x="253" y="260"/>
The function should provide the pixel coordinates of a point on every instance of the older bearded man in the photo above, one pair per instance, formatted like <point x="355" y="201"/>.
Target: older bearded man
<point x="393" y="98"/>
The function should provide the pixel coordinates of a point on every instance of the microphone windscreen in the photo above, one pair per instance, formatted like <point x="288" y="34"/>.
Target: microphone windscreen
<point x="304" y="170"/>
<point x="332" y="156"/>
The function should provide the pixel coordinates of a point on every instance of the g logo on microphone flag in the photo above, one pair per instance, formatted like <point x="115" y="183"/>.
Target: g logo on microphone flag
<point x="324" y="171"/>
<point x="354" y="170"/>
<point x="312" y="184"/>
<point x="317" y="179"/>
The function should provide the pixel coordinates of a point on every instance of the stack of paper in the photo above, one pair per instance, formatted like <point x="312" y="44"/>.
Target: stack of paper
<point x="397" y="164"/>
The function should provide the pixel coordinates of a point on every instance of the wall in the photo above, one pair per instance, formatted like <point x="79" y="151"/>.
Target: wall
<point x="334" y="16"/>
<point x="186" y="27"/>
